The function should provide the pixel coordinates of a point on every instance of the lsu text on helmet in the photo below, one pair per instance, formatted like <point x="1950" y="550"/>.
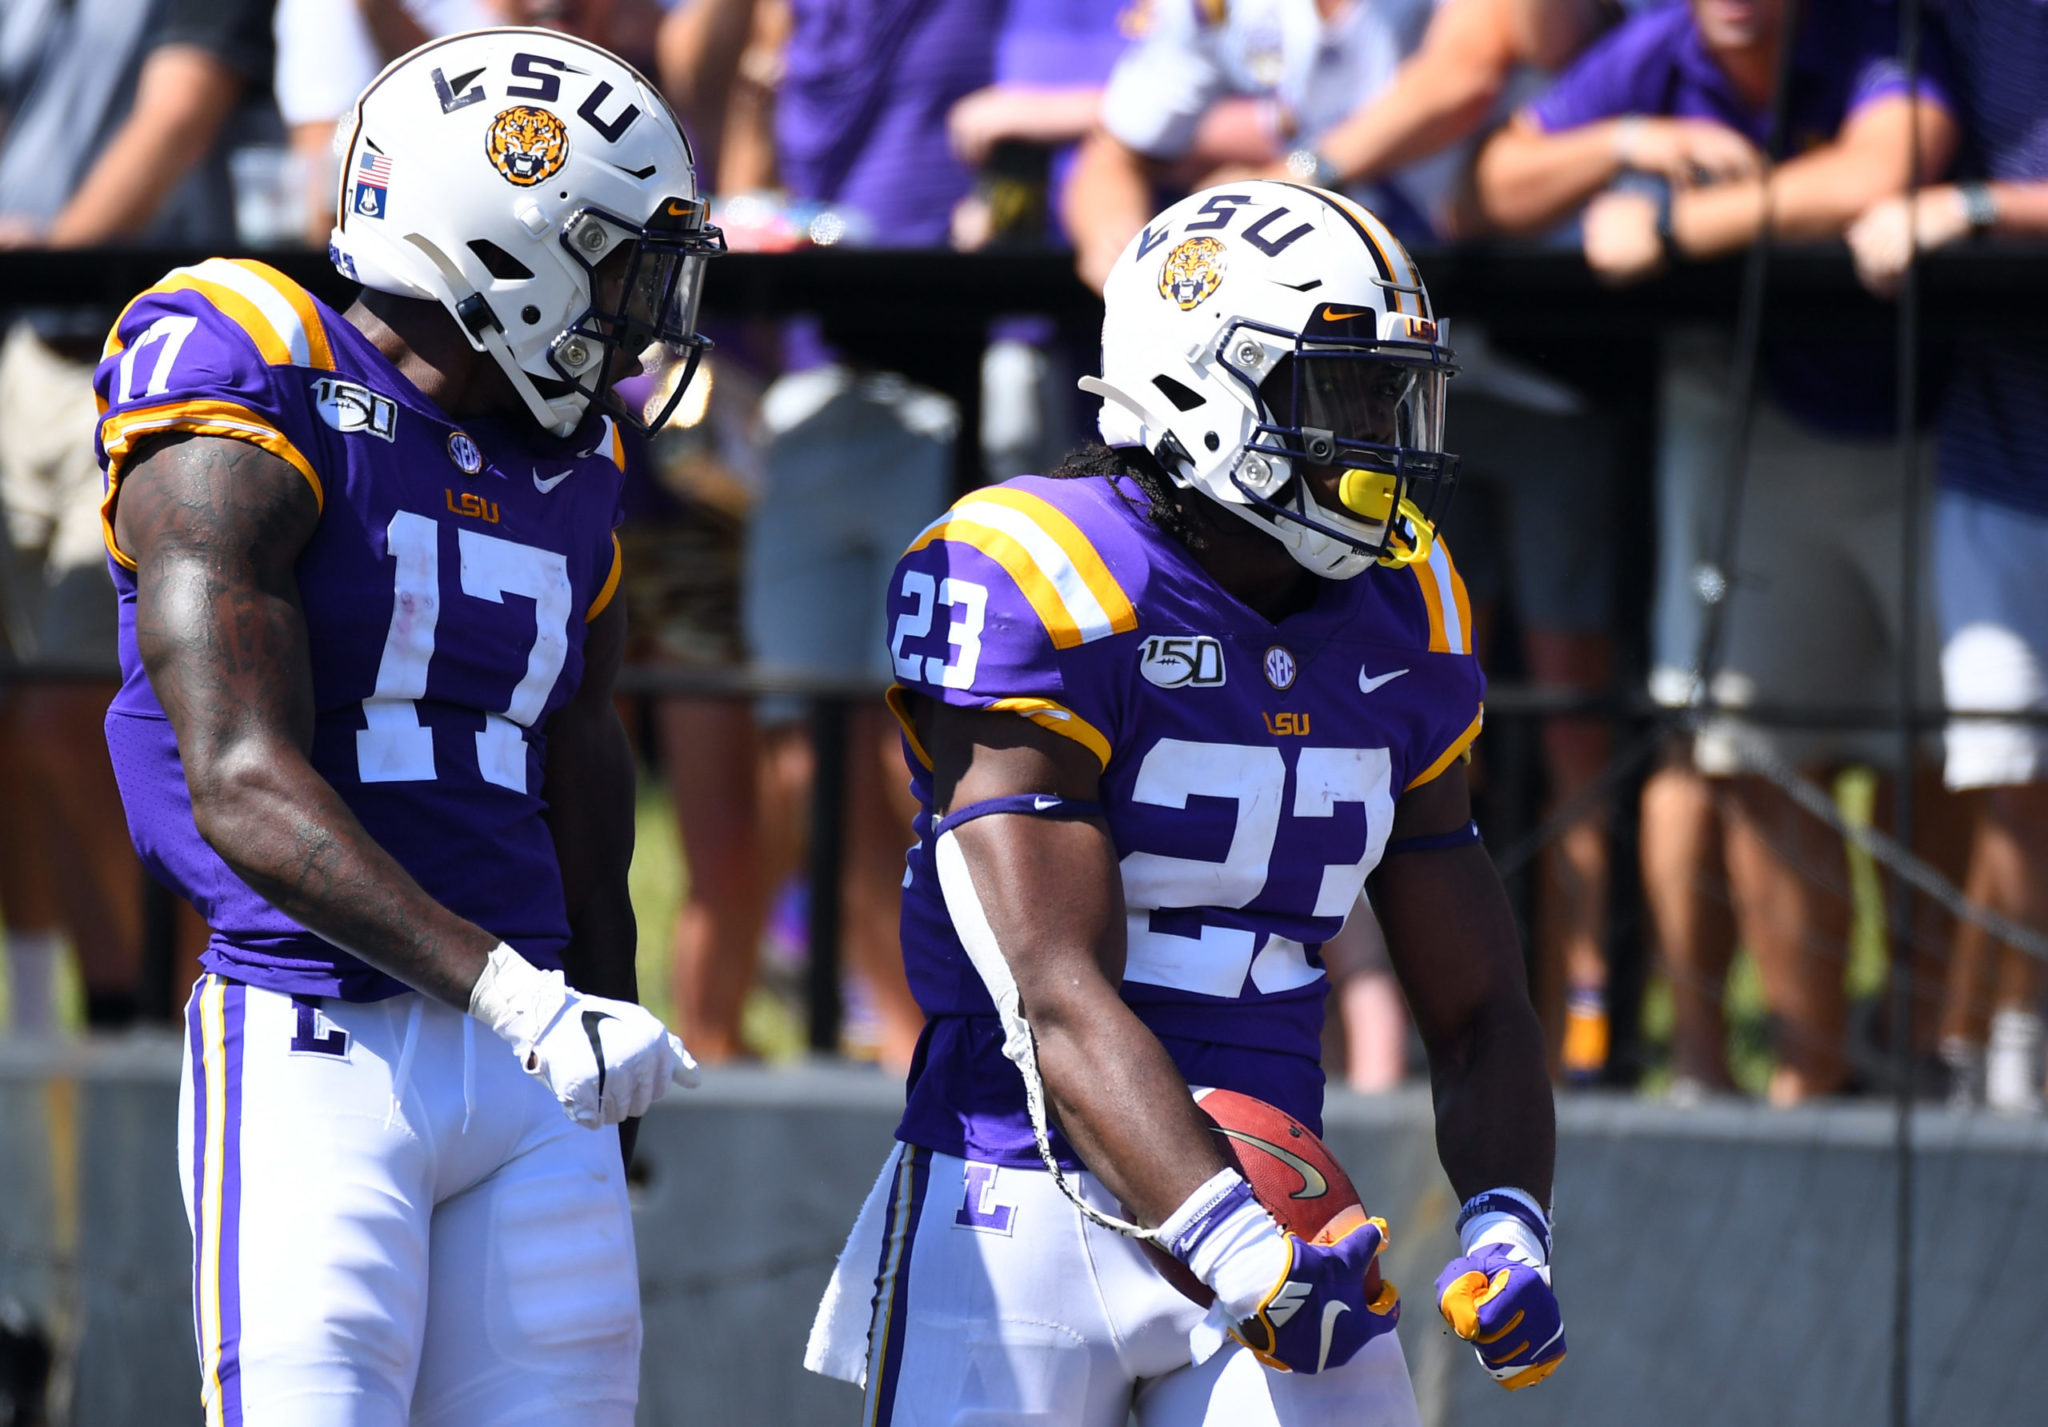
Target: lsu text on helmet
<point x="1256" y="330"/>
<point x="496" y="172"/>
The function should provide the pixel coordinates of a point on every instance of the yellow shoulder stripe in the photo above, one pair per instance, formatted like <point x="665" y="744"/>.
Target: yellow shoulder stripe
<point x="1052" y="562"/>
<point x="120" y="432"/>
<point x="897" y="699"/>
<point x="278" y="315"/>
<point x="1047" y="713"/>
<point x="1443" y="594"/>
<point x="1450" y="755"/>
<point x="611" y="582"/>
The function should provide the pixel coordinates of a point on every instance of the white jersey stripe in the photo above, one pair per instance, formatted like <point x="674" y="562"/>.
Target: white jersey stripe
<point x="279" y="313"/>
<point x="1440" y="571"/>
<point x="1087" y="611"/>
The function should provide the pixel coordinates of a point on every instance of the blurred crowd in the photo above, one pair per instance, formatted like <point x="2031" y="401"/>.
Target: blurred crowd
<point x="764" y="520"/>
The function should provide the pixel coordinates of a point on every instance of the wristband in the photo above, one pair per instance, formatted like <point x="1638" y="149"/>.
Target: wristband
<point x="1980" y="206"/>
<point x="1312" y="167"/>
<point x="1228" y="1240"/>
<point x="1506" y="1216"/>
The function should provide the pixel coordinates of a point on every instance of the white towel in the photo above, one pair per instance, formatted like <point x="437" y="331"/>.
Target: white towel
<point x="846" y="1314"/>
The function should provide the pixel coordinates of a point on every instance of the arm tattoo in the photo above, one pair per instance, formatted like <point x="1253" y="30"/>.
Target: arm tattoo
<point x="216" y="527"/>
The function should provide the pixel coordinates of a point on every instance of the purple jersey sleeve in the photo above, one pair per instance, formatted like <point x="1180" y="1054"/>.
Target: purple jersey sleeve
<point x="208" y="351"/>
<point x="1003" y="604"/>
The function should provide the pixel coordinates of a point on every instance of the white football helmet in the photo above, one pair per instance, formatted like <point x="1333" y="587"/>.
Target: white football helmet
<point x="1256" y="326"/>
<point x="493" y="172"/>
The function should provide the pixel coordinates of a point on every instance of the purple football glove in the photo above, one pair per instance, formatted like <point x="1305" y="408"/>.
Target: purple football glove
<point x="1500" y="1301"/>
<point x="1317" y="1315"/>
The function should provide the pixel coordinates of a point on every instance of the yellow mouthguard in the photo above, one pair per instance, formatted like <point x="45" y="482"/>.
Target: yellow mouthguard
<point x="1367" y="494"/>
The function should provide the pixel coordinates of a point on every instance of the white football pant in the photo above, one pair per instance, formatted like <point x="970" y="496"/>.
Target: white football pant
<point x="973" y="1294"/>
<point x="393" y="1222"/>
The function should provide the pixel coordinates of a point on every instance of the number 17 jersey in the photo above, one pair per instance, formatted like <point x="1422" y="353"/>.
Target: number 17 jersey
<point x="1249" y="775"/>
<point x="446" y="592"/>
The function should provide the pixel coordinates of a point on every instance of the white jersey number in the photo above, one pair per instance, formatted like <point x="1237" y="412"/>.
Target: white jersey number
<point x="956" y="670"/>
<point x="393" y="747"/>
<point x="1217" y="959"/>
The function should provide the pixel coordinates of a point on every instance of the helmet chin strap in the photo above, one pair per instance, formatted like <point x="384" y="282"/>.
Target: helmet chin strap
<point x="474" y="313"/>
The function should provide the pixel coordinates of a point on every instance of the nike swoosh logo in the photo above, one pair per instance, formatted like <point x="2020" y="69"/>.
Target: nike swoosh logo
<point x="1367" y="684"/>
<point x="1332" y="314"/>
<point x="590" y="1023"/>
<point x="1313" y="1185"/>
<point x="1041" y="804"/>
<point x="544" y="486"/>
<point x="1331" y="1311"/>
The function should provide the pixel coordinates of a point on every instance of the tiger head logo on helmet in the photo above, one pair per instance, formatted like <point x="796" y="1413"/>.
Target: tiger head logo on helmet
<point x="528" y="145"/>
<point x="1192" y="272"/>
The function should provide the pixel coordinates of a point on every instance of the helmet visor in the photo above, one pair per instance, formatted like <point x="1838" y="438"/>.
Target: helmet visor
<point x="1354" y="408"/>
<point x="644" y="296"/>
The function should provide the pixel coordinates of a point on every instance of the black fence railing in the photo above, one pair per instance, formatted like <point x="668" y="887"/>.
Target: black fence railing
<point x="935" y="307"/>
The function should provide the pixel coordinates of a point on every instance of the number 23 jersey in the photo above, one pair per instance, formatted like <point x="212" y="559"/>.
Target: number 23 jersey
<point x="1249" y="775"/>
<point x="446" y="592"/>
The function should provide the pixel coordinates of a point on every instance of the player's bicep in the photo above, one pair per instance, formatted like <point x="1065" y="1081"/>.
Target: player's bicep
<point x="214" y="527"/>
<point x="1048" y="887"/>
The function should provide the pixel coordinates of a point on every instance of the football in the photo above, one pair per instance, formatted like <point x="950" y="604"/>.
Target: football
<point x="1290" y="1171"/>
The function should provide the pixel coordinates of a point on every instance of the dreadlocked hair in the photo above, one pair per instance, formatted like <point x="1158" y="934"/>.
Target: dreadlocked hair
<point x="1162" y="502"/>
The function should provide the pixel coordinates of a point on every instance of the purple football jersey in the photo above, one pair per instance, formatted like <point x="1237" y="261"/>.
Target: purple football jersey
<point x="1249" y="775"/>
<point x="446" y="592"/>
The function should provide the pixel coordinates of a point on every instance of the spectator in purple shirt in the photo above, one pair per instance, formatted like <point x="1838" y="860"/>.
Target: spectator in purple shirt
<point x="1991" y="543"/>
<point x="1675" y="106"/>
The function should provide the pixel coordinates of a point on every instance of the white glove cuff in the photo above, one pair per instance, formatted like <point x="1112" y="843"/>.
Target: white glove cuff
<point x="1242" y="1258"/>
<point x="1486" y="1219"/>
<point x="517" y="999"/>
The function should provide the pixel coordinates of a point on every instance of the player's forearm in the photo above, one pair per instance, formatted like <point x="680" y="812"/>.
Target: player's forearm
<point x="183" y="96"/>
<point x="590" y="788"/>
<point x="1527" y="180"/>
<point x="1121" y="1102"/>
<point x="1452" y="938"/>
<point x="284" y="830"/>
<point x="1496" y="1123"/>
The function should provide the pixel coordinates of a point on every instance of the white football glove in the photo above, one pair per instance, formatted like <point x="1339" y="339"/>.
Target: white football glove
<point x="605" y="1060"/>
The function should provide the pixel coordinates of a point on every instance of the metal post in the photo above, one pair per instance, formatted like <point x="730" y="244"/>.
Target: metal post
<point x="828" y="847"/>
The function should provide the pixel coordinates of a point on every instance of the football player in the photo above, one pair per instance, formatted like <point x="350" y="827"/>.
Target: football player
<point x="1166" y="711"/>
<point x="368" y="638"/>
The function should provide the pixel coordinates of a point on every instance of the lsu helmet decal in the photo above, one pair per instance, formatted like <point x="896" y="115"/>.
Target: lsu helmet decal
<point x="1192" y="272"/>
<point x="527" y="145"/>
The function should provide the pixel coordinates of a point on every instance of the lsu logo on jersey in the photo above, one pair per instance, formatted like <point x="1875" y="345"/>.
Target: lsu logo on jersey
<point x="1177" y="661"/>
<point x="350" y="407"/>
<point x="527" y="145"/>
<point x="1192" y="272"/>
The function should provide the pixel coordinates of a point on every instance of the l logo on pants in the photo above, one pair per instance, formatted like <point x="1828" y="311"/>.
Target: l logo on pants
<point x="980" y="1211"/>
